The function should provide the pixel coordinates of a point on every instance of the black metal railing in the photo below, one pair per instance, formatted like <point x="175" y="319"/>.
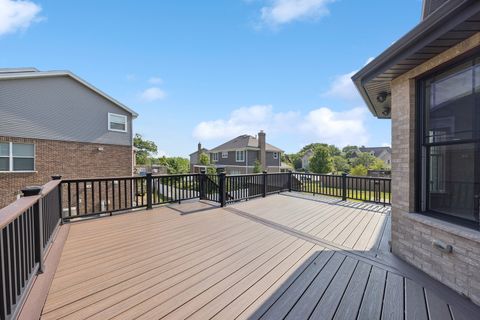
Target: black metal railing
<point x="26" y="228"/>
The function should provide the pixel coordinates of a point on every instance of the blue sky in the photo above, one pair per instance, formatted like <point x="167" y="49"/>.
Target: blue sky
<point x="211" y="70"/>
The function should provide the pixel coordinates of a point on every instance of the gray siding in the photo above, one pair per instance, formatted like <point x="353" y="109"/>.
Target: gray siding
<point x="229" y="161"/>
<point x="252" y="156"/>
<point x="271" y="161"/>
<point x="58" y="108"/>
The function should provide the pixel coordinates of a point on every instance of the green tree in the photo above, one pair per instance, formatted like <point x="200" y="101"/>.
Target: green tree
<point x="365" y="159"/>
<point x="378" y="164"/>
<point x="359" y="170"/>
<point x="257" y="167"/>
<point x="321" y="161"/>
<point x="176" y="165"/>
<point x="145" y="149"/>
<point x="340" y="164"/>
<point x="204" y="159"/>
<point x="350" y="151"/>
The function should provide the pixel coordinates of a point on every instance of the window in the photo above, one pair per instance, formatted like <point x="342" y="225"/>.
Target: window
<point x="214" y="157"/>
<point x="117" y="122"/>
<point x="275" y="155"/>
<point x="17" y="157"/>
<point x="240" y="156"/>
<point x="450" y="143"/>
<point x="224" y="154"/>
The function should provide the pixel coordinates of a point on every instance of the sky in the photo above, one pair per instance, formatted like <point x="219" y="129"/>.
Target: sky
<point x="208" y="71"/>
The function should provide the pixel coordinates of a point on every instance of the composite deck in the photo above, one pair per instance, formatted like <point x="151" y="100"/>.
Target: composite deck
<point x="273" y="258"/>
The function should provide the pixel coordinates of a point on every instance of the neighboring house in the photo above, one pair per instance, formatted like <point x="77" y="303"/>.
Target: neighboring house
<point x="383" y="153"/>
<point x="54" y="123"/>
<point x="427" y="82"/>
<point x="238" y="155"/>
<point x="195" y="164"/>
<point x="306" y="159"/>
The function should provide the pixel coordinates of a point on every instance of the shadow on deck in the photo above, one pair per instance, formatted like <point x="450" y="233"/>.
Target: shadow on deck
<point x="288" y="256"/>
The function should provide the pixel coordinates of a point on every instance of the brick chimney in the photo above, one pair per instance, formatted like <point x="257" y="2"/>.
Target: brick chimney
<point x="199" y="149"/>
<point x="263" y="149"/>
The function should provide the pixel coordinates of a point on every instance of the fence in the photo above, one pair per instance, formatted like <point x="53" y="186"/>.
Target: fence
<point x="26" y="229"/>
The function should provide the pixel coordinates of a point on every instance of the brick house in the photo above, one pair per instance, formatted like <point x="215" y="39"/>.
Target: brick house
<point x="238" y="156"/>
<point x="53" y="123"/>
<point x="427" y="83"/>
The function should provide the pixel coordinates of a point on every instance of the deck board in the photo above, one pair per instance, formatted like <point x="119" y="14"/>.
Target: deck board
<point x="198" y="261"/>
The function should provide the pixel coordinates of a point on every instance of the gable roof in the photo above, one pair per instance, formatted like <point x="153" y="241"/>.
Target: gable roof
<point x="243" y="142"/>
<point x="202" y="150"/>
<point x="450" y="23"/>
<point x="28" y="73"/>
<point x="376" y="150"/>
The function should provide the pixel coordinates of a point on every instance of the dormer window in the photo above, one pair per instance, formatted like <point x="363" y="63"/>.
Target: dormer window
<point x="117" y="122"/>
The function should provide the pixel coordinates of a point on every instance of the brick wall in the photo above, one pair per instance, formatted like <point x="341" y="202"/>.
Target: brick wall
<point x="413" y="234"/>
<point x="68" y="159"/>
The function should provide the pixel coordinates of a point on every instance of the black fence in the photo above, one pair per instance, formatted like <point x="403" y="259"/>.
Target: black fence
<point x="105" y="196"/>
<point x="27" y="227"/>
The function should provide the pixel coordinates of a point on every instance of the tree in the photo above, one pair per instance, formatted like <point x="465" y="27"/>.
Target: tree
<point x="204" y="159"/>
<point x="340" y="164"/>
<point x="257" y="167"/>
<point x="350" y="151"/>
<point x="175" y="165"/>
<point x="334" y="151"/>
<point x="359" y="170"/>
<point x="365" y="159"/>
<point x="378" y="164"/>
<point x="321" y="161"/>
<point x="145" y="149"/>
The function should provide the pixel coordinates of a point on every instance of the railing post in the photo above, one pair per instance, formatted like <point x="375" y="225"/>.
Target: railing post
<point x="202" y="181"/>
<point x="60" y="205"/>
<point x="290" y="173"/>
<point x="264" y="192"/>
<point x="344" y="186"/>
<point x="222" y="192"/>
<point x="37" y="224"/>
<point x="149" y="191"/>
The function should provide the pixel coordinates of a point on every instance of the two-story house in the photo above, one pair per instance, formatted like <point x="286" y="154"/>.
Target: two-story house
<point x="238" y="156"/>
<point x="55" y="123"/>
<point x="382" y="153"/>
<point x="306" y="159"/>
<point x="427" y="83"/>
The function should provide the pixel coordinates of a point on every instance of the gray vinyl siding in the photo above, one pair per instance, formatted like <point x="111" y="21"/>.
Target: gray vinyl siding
<point x="231" y="160"/>
<point x="58" y="108"/>
<point x="252" y="157"/>
<point x="271" y="161"/>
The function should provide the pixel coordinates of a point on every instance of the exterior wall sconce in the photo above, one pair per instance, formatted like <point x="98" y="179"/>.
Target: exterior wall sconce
<point x="100" y="149"/>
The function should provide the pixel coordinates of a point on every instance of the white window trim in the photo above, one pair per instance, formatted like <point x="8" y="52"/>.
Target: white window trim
<point x="117" y="115"/>
<point x="275" y="155"/>
<point x="243" y="153"/>
<point x="215" y="157"/>
<point x="10" y="158"/>
<point x="224" y="154"/>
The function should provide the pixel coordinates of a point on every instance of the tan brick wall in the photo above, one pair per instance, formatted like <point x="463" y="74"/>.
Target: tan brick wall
<point x="413" y="234"/>
<point x="68" y="159"/>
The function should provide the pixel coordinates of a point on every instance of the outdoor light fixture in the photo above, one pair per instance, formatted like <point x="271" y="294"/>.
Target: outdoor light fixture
<point x="386" y="111"/>
<point x="100" y="148"/>
<point x="382" y="96"/>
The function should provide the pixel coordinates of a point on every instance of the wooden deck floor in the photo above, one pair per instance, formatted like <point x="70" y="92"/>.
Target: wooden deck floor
<point x="198" y="261"/>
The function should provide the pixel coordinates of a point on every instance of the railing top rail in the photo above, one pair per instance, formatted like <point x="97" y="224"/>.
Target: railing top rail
<point x="176" y="175"/>
<point x="369" y="177"/>
<point x="49" y="186"/>
<point x="15" y="209"/>
<point x="102" y="179"/>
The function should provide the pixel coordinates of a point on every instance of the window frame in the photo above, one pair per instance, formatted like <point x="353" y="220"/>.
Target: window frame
<point x="243" y="153"/>
<point x="110" y="114"/>
<point x="224" y="154"/>
<point x="275" y="155"/>
<point x="11" y="157"/>
<point x="422" y="147"/>
<point x="215" y="157"/>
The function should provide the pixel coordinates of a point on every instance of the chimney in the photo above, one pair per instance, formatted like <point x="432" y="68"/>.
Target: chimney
<point x="199" y="149"/>
<point x="263" y="149"/>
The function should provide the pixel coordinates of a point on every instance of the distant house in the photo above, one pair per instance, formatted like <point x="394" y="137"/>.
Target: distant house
<point x="383" y="153"/>
<point x="195" y="157"/>
<point x="427" y="83"/>
<point x="238" y="156"/>
<point x="306" y="159"/>
<point x="53" y="123"/>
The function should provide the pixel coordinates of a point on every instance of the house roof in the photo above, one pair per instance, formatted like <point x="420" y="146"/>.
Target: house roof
<point x="243" y="142"/>
<point x="203" y="150"/>
<point x="447" y="25"/>
<point x="376" y="150"/>
<point x="27" y="73"/>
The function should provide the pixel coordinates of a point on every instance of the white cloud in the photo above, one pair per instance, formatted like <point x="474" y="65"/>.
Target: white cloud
<point x="342" y="86"/>
<point x="339" y="128"/>
<point x="323" y="124"/>
<point x="155" y="80"/>
<point x="152" y="94"/>
<point x="17" y="15"/>
<point x="284" y="11"/>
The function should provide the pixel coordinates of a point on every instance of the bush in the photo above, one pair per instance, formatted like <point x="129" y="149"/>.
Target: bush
<point x="359" y="170"/>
